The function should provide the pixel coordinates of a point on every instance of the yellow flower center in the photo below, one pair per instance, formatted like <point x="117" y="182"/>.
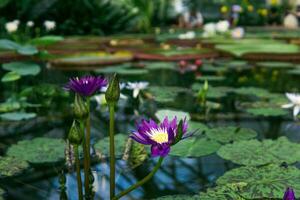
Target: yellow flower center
<point x="159" y="135"/>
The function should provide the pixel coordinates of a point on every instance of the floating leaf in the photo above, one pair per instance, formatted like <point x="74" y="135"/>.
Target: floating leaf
<point x="161" y="66"/>
<point x="267" y="112"/>
<point x="230" y="134"/>
<point x="9" y="106"/>
<point x="165" y="94"/>
<point x="17" y="116"/>
<point x="268" y="182"/>
<point x="27" y="50"/>
<point x="102" y="146"/>
<point x="211" y="78"/>
<point x="161" y="114"/>
<point x="255" y="153"/>
<point x="213" y="92"/>
<point x="10" y="76"/>
<point x="8" y="45"/>
<point x="195" y="147"/>
<point x="179" y="197"/>
<point x="22" y="68"/>
<point x="226" y="192"/>
<point x="46" y="40"/>
<point x="275" y="65"/>
<point x="10" y="166"/>
<point x="252" y="91"/>
<point x="196" y="126"/>
<point x="39" y="150"/>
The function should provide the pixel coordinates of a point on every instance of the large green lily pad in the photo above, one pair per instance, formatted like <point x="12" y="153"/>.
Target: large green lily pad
<point x="195" y="147"/>
<point x="178" y="197"/>
<point x="255" y="153"/>
<point x="11" y="166"/>
<point x="161" y="66"/>
<point x="230" y="134"/>
<point x="22" y="68"/>
<point x="161" y="114"/>
<point x="196" y="126"/>
<point x="226" y="192"/>
<point x="275" y="47"/>
<point x="268" y="182"/>
<point x="9" y="106"/>
<point x="39" y="150"/>
<point x="102" y="146"/>
<point x="213" y="92"/>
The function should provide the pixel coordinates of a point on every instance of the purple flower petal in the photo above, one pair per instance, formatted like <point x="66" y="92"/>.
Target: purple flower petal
<point x="289" y="194"/>
<point x="86" y="86"/>
<point x="160" y="150"/>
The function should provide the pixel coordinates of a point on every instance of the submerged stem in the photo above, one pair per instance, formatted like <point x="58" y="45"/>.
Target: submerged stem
<point x="141" y="182"/>
<point x="112" y="149"/>
<point x="79" y="182"/>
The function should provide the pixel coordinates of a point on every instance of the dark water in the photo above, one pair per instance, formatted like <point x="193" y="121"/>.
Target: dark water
<point x="176" y="176"/>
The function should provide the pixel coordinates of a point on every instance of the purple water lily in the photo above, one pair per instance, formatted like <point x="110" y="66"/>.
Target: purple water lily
<point x="87" y="85"/>
<point x="160" y="136"/>
<point x="289" y="194"/>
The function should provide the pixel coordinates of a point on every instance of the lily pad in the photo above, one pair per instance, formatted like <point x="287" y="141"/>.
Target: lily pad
<point x="10" y="76"/>
<point x="9" y="106"/>
<point x="196" y="126"/>
<point x="230" y="134"/>
<point x="252" y="91"/>
<point x="275" y="65"/>
<point x="39" y="150"/>
<point x="268" y="182"/>
<point x="178" y="197"/>
<point x="161" y="114"/>
<point x="17" y="116"/>
<point x="27" y="50"/>
<point x="213" y="69"/>
<point x="224" y="192"/>
<point x="46" y="40"/>
<point x="102" y="146"/>
<point x="213" y="92"/>
<point x="161" y="66"/>
<point x="211" y="78"/>
<point x="22" y="68"/>
<point x="195" y="147"/>
<point x="255" y="153"/>
<point x="10" y="166"/>
<point x="267" y="112"/>
<point x="8" y="45"/>
<point x="165" y="94"/>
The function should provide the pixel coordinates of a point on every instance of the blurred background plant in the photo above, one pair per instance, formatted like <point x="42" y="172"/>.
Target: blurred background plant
<point x="34" y="18"/>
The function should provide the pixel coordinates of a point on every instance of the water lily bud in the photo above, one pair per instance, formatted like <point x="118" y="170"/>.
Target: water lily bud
<point x="112" y="93"/>
<point x="198" y="62"/>
<point x="75" y="134"/>
<point x="205" y="87"/>
<point x="182" y="63"/>
<point x="179" y="132"/>
<point x="81" y="110"/>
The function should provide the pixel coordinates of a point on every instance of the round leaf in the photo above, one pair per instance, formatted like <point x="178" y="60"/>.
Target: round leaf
<point x="10" y="166"/>
<point x="161" y="114"/>
<point x="10" y="76"/>
<point x="17" y="116"/>
<point x="39" y="150"/>
<point x="102" y="146"/>
<point x="22" y="68"/>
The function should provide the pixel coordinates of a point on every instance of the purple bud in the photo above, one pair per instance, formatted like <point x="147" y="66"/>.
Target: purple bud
<point x="289" y="194"/>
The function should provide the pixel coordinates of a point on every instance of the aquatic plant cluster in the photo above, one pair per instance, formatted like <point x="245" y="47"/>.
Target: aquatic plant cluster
<point x="160" y="136"/>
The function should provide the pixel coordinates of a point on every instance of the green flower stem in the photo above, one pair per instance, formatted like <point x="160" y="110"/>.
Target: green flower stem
<point x="79" y="182"/>
<point x="112" y="149"/>
<point x="86" y="149"/>
<point x="141" y="182"/>
<point x="85" y="162"/>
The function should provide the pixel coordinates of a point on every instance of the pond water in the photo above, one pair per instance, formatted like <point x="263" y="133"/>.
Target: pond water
<point x="241" y="94"/>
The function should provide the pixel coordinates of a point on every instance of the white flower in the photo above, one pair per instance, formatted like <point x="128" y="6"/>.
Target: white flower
<point x="49" y="25"/>
<point x="209" y="30"/>
<point x="236" y="8"/>
<point x="222" y="26"/>
<point x="30" y="24"/>
<point x="137" y="87"/>
<point x="187" y="35"/>
<point x="16" y="21"/>
<point x="295" y="103"/>
<point x="238" y="33"/>
<point x="11" y="27"/>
